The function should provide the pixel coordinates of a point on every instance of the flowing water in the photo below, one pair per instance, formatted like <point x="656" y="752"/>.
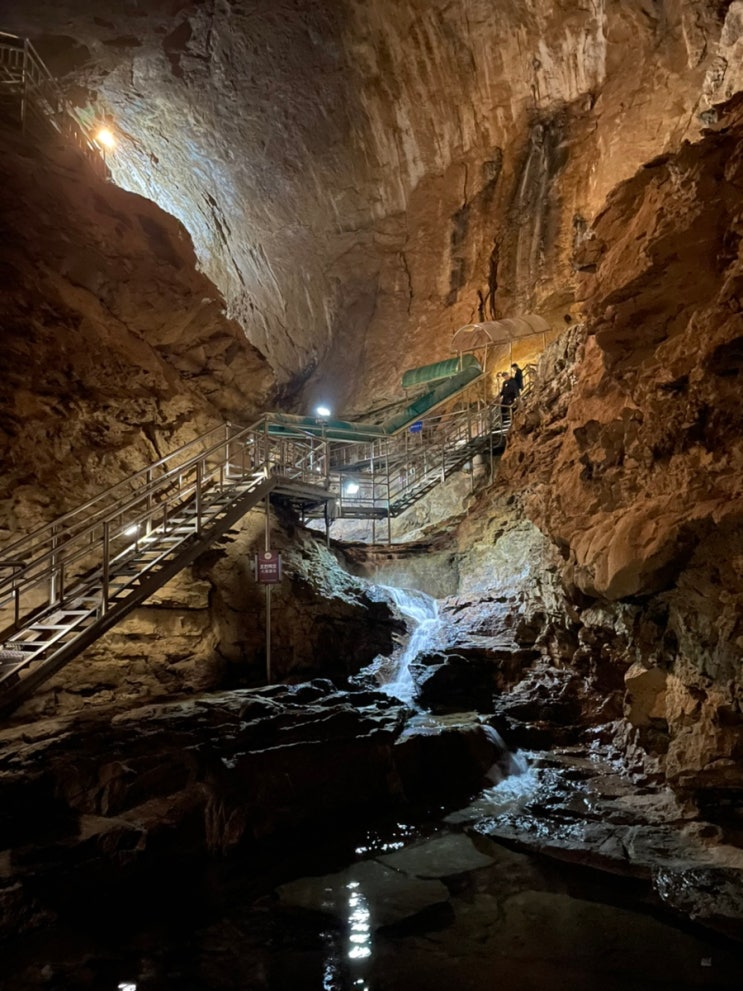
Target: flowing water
<point x="411" y="905"/>
<point x="423" y="612"/>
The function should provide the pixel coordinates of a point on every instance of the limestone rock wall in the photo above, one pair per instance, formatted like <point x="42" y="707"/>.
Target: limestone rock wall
<point x="116" y="349"/>
<point x="361" y="179"/>
<point x="629" y="454"/>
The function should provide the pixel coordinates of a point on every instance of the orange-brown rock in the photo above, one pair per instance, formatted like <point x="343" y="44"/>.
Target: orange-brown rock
<point x="635" y="453"/>
<point x="116" y="347"/>
<point x="361" y="180"/>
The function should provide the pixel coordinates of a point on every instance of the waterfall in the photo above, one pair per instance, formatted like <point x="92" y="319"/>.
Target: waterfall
<point x="423" y="611"/>
<point x="509" y="763"/>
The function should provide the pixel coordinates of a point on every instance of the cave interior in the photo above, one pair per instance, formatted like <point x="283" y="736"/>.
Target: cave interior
<point x="265" y="270"/>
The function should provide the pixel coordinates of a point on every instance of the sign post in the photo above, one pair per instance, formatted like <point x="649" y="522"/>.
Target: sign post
<point x="268" y="573"/>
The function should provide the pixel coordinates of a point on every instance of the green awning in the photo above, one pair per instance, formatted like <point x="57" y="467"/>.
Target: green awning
<point x="437" y="372"/>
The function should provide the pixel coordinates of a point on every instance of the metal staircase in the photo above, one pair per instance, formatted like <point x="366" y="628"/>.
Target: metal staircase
<point x="69" y="582"/>
<point x="31" y="97"/>
<point x="383" y="479"/>
<point x="64" y="585"/>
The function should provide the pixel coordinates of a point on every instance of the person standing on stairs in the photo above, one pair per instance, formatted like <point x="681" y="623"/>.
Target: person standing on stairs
<point x="518" y="376"/>
<point x="508" y="395"/>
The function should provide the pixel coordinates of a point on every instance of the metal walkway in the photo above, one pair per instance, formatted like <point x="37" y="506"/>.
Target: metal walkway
<point x="64" y="585"/>
<point x="69" y="582"/>
<point x="31" y="98"/>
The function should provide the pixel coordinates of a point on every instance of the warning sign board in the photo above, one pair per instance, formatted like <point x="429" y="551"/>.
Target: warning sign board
<point x="268" y="567"/>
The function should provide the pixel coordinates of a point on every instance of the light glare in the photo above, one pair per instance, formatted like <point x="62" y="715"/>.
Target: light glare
<point x="322" y="411"/>
<point x="105" y="137"/>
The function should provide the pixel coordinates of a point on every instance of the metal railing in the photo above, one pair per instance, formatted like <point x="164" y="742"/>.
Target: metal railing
<point x="29" y="85"/>
<point x="49" y="566"/>
<point x="384" y="478"/>
<point x="45" y="567"/>
<point x="69" y="581"/>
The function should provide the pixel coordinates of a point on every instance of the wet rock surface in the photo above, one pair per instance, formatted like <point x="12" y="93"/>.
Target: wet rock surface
<point x="119" y="796"/>
<point x="415" y="905"/>
<point x="584" y="808"/>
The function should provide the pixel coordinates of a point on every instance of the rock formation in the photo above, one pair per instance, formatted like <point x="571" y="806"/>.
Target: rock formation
<point x="362" y="181"/>
<point x="311" y="201"/>
<point x="631" y="457"/>
<point x="106" y="327"/>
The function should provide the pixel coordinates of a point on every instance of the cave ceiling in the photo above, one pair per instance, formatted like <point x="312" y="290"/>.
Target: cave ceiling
<point x="362" y="178"/>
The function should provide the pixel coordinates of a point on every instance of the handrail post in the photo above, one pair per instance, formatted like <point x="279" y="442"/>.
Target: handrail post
<point x="60" y="596"/>
<point x="470" y="449"/>
<point x="389" y="500"/>
<point x="105" y="574"/>
<point x="24" y="75"/>
<point x="199" y="482"/>
<point x="225" y="471"/>
<point x="265" y="450"/>
<point x="326" y="446"/>
<point x="53" y="568"/>
<point x="148" y="504"/>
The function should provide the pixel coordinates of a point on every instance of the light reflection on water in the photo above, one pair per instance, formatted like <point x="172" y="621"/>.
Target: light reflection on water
<point x="359" y="923"/>
<point x="348" y="957"/>
<point x="507" y="796"/>
<point x="396" y="839"/>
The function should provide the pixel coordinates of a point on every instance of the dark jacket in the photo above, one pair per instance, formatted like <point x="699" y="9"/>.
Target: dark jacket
<point x="509" y="392"/>
<point x="519" y="378"/>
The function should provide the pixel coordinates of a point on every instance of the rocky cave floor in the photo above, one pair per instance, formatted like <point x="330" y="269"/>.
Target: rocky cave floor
<point x="420" y="898"/>
<point x="311" y="836"/>
<point x="512" y="827"/>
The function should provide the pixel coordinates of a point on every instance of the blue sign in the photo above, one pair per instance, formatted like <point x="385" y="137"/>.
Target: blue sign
<point x="415" y="428"/>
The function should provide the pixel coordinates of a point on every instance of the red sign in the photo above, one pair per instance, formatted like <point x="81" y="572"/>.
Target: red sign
<point x="268" y="567"/>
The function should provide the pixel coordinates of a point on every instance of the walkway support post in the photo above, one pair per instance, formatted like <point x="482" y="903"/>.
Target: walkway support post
<point x="373" y="495"/>
<point x="106" y="557"/>
<point x="389" y="497"/>
<point x="267" y="547"/>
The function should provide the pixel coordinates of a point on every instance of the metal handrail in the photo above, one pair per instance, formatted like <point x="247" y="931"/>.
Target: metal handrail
<point x="46" y="567"/>
<point x="39" y="93"/>
<point x="15" y="549"/>
<point x="50" y="565"/>
<point x="405" y="469"/>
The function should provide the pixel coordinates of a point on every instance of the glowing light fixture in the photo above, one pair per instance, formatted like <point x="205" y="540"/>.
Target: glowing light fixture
<point x="105" y="137"/>
<point x="351" y="488"/>
<point x="323" y="412"/>
<point x="131" y="530"/>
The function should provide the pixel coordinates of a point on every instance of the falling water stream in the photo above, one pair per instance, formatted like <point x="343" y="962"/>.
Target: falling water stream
<point x="423" y="611"/>
<point x="414" y="904"/>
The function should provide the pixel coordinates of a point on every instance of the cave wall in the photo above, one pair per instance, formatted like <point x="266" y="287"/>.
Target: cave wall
<point x="360" y="179"/>
<point x="116" y="348"/>
<point x="629" y="456"/>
